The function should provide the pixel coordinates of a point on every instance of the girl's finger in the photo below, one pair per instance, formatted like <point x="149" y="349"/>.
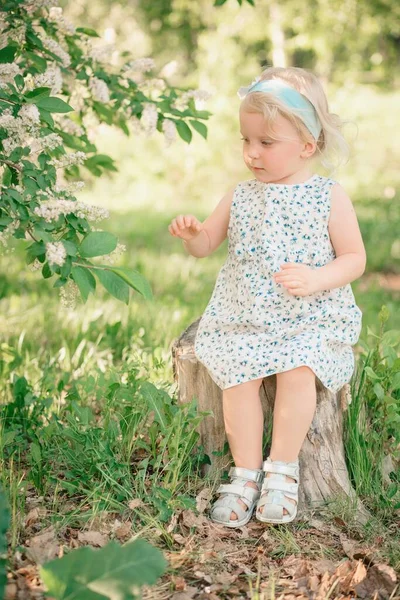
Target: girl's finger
<point x="181" y="221"/>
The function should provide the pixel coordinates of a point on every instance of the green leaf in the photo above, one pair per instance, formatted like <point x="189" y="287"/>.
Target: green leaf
<point x="38" y="61"/>
<point x="184" y="131"/>
<point x="34" y="95"/>
<point x="155" y="402"/>
<point x="135" y="280"/>
<point x="114" y="285"/>
<point x="46" y="271"/>
<point x="87" y="31"/>
<point x="19" y="81"/>
<point x="115" y="572"/>
<point x="53" y="104"/>
<point x="46" y="117"/>
<point x="98" y="243"/>
<point x="7" y="54"/>
<point x="70" y="247"/>
<point x="84" y="280"/>
<point x="371" y="374"/>
<point x="396" y="382"/>
<point x="199" y="127"/>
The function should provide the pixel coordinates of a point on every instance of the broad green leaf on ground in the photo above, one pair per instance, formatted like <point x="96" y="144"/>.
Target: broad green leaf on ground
<point x="84" y="280"/>
<point x="155" y="402"/>
<point x="114" y="284"/>
<point x="98" y="243"/>
<point x="4" y="524"/>
<point x="114" y="572"/>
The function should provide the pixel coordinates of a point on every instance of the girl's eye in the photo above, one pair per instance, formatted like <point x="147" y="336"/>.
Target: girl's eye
<point x="265" y="142"/>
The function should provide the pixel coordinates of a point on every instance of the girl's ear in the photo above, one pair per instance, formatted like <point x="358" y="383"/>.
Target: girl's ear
<point x="308" y="149"/>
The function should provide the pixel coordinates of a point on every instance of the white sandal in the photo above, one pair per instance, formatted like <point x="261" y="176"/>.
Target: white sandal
<point x="223" y="507"/>
<point x="275" y="490"/>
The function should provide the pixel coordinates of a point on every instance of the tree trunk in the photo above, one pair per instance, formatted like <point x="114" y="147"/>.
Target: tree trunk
<point x="323" y="470"/>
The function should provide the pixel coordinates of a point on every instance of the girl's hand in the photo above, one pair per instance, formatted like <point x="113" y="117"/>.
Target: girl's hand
<point x="185" y="227"/>
<point x="298" y="279"/>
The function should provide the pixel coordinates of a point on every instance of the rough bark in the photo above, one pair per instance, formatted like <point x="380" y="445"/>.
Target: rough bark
<point x="323" y="470"/>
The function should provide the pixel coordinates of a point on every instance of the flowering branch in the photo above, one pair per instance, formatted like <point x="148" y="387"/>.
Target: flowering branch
<point x="50" y="70"/>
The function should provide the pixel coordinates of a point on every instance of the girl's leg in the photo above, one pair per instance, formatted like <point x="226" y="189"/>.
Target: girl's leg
<point x="295" y="404"/>
<point x="244" y="424"/>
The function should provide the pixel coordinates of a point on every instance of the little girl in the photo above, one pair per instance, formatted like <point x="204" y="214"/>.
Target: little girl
<point x="282" y="302"/>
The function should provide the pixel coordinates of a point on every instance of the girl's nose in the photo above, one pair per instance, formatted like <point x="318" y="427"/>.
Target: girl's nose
<point x="252" y="152"/>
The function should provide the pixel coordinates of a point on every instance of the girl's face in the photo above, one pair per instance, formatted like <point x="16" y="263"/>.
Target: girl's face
<point x="273" y="160"/>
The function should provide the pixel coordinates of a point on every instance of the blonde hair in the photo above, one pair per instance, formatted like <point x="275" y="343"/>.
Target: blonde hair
<point x="332" y="147"/>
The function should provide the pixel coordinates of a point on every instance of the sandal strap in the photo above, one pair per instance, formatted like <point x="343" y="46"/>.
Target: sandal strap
<point x="256" y="475"/>
<point x="272" y="483"/>
<point x="290" y="469"/>
<point x="230" y="503"/>
<point x="241" y="491"/>
<point x="277" y="501"/>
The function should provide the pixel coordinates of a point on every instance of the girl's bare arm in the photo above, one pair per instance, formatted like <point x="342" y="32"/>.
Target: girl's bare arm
<point x="347" y="242"/>
<point x="213" y="230"/>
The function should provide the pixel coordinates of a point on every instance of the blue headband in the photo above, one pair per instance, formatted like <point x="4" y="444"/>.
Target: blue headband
<point x="298" y="103"/>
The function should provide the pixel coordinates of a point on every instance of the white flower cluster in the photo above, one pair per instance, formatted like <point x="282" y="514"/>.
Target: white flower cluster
<point x="102" y="54"/>
<point x="73" y="158"/>
<point x="182" y="103"/>
<point x="141" y="65"/>
<point x="7" y="73"/>
<point x="56" y="49"/>
<point x="69" y="294"/>
<point x="149" y="86"/>
<point x="56" y="15"/>
<point x="70" y="189"/>
<point x="33" y="5"/>
<point x="20" y="129"/>
<point x="69" y="126"/>
<point x="115" y="254"/>
<point x="29" y="113"/>
<point x="17" y="34"/>
<point x="99" y="90"/>
<point x="51" y="78"/>
<point x="149" y="118"/>
<point x="52" y="209"/>
<point x="56" y="253"/>
<point x="169" y="130"/>
<point x="49" y="142"/>
<point x="8" y="232"/>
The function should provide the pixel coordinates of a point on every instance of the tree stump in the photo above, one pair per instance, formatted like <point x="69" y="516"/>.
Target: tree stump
<point x="323" y="469"/>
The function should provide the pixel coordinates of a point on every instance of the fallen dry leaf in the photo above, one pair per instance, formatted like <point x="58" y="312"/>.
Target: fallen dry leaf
<point x="34" y="515"/>
<point x="92" y="538"/>
<point x="225" y="578"/>
<point x="380" y="578"/>
<point x="124" y="530"/>
<point x="179" y="538"/>
<point x="10" y="591"/>
<point x="202" y="499"/>
<point x="43" y="547"/>
<point x="135" y="503"/>
<point x="179" y="583"/>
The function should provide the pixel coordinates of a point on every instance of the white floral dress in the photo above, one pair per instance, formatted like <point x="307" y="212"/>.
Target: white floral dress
<point x="253" y="327"/>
